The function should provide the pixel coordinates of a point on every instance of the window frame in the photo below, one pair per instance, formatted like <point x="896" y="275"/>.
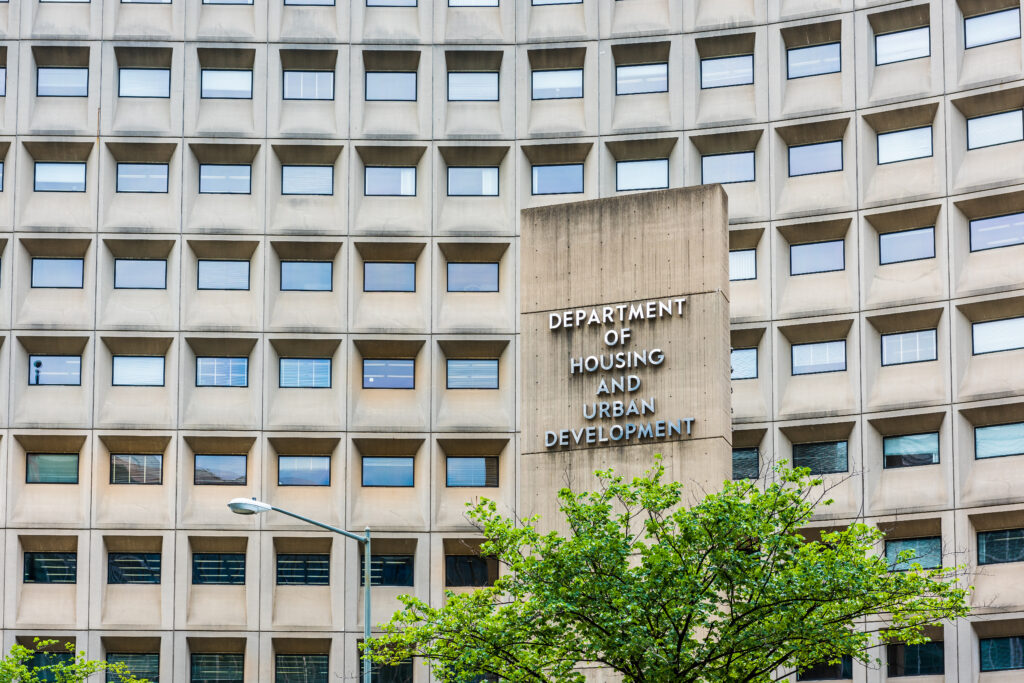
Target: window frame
<point x="985" y="353"/>
<point x="967" y="124"/>
<point x="447" y="278"/>
<point x="448" y="182"/>
<point x="938" y="450"/>
<point x="846" y="359"/>
<point x="131" y="483"/>
<point x="977" y="547"/>
<point x="252" y="81"/>
<point x="306" y="194"/>
<point x="583" y="85"/>
<point x="753" y="165"/>
<point x="195" y="469"/>
<point x="993" y="457"/>
<point x="757" y="363"/>
<point x="126" y="258"/>
<point x="448" y="86"/>
<point x="700" y="70"/>
<point x="985" y="14"/>
<point x="497" y="471"/>
<point x="379" y="291"/>
<point x="297" y="455"/>
<point x="642" y="92"/>
<point x="533" y="182"/>
<point x="881" y="349"/>
<point x="415" y="89"/>
<point x="410" y="388"/>
<point x="745" y="279"/>
<point x="110" y="565"/>
<point x="32" y="285"/>
<point x="497" y="374"/>
<point x="78" y="470"/>
<point x="818" y="272"/>
<point x="245" y="568"/>
<point x="668" y="173"/>
<point x="248" y="271"/>
<point x="333" y="72"/>
<point x="117" y="177"/>
<point x="820" y="73"/>
<point x="145" y="68"/>
<point x="846" y="441"/>
<point x="88" y="79"/>
<point x="163" y="366"/>
<point x="199" y="184"/>
<point x="874" y="44"/>
<point x="931" y="144"/>
<point x="305" y="572"/>
<point x="789" y="158"/>
<point x="280" y="280"/>
<point x="910" y="260"/>
<point x="223" y="386"/>
<point x="85" y="175"/>
<point x="362" y="472"/>
<point x="330" y="371"/>
<point x="415" y="181"/>
<point x="54" y="355"/>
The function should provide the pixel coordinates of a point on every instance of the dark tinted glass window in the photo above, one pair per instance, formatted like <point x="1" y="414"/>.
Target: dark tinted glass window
<point x="745" y="463"/>
<point x="307" y="276"/>
<point x="822" y="458"/>
<point x="210" y="667"/>
<point x="55" y="370"/>
<point x="471" y="471"/>
<point x="998" y="547"/>
<point x="472" y="277"/>
<point x="926" y="552"/>
<point x="381" y="373"/>
<point x="303" y="470"/>
<point x="142" y="665"/>
<point x="41" y="567"/>
<point x="133" y="568"/>
<point x="42" y="663"/>
<point x="303" y="570"/>
<point x="218" y="568"/>
<point x="389" y="570"/>
<point x="300" y="668"/>
<point x="924" y="659"/>
<point x="379" y="276"/>
<point x="51" y="468"/>
<point x="393" y="673"/>
<point x="140" y="273"/>
<point x="841" y="670"/>
<point x="136" y="468"/>
<point x="906" y="245"/>
<point x="388" y="471"/>
<point x="911" y="450"/>
<point x="469" y="570"/>
<point x="224" y="470"/>
<point x="1002" y="654"/>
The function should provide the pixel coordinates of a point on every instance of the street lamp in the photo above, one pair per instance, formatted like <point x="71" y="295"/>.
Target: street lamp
<point x="251" y="506"/>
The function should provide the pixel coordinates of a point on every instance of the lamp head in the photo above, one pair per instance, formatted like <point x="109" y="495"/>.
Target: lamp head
<point x="248" y="506"/>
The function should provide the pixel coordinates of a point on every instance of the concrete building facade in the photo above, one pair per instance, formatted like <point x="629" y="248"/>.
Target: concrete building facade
<point x="226" y="225"/>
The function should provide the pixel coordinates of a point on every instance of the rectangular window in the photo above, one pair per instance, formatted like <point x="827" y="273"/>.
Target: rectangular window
<point x="999" y="547"/>
<point x="388" y="471"/>
<point x="472" y="86"/>
<point x="472" y="277"/>
<point x="721" y="72"/>
<point x="557" y="179"/>
<point x="904" y="145"/>
<point x="994" y="27"/>
<point x="390" y="86"/>
<point x="305" y="373"/>
<point x="472" y="181"/>
<point x="141" y="177"/>
<point x="1002" y="654"/>
<point x="634" y="79"/>
<point x="217" y="371"/>
<point x="58" y="273"/>
<point x="218" y="569"/>
<point x="3" y="81"/>
<point x="380" y="373"/>
<point x="308" y="85"/>
<point x="143" y="82"/>
<point x="825" y="457"/>
<point x="55" y="370"/>
<point x="210" y="667"/>
<point x="743" y="264"/>
<point x="813" y="60"/>
<point x="143" y="665"/>
<point x="225" y="179"/>
<point x="646" y="174"/>
<point x="471" y="471"/>
<point x="40" y="660"/>
<point x="926" y="552"/>
<point x="140" y="273"/>
<point x="388" y="570"/>
<point x="307" y="180"/>
<point x="402" y="672"/>
<point x="737" y="167"/>
<point x="138" y="371"/>
<point x="908" y="347"/>
<point x="744" y="363"/>
<point x="390" y="3"/>
<point x="226" y="84"/>
<point x="557" y="84"/>
<point x="998" y="335"/>
<point x="745" y="463"/>
<point x="820" y="157"/>
<point x="306" y="668"/>
<point x="133" y="568"/>
<point x="995" y="129"/>
<point x="997" y="231"/>
<point x="307" y="276"/>
<point x="900" y="46"/>
<point x="214" y="274"/>
<point x="389" y="181"/>
<point x="906" y="245"/>
<point x="50" y="567"/>
<point x="383" y="276"/>
<point x="136" y="468"/>
<point x="1" y="175"/>
<point x="51" y="468"/>
<point x="817" y="257"/>
<point x="911" y="450"/>
<point x="923" y="659"/>
<point x="220" y="470"/>
<point x="472" y="374"/>
<point x="817" y="357"/>
<point x="227" y="2"/>
<point x="303" y="570"/>
<point x="59" y="81"/>
<point x="997" y="441"/>
<point x="467" y="570"/>
<point x="823" y="671"/>
<point x="59" y="176"/>
<point x="303" y="470"/>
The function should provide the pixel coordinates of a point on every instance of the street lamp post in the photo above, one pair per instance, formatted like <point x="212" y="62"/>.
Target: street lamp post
<point x="251" y="506"/>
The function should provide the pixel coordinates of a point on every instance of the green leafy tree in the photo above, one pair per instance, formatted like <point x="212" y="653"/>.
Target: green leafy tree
<point x="728" y="590"/>
<point x="19" y="666"/>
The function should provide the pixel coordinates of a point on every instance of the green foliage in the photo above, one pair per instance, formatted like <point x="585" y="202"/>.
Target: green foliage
<point x="728" y="590"/>
<point x="17" y="666"/>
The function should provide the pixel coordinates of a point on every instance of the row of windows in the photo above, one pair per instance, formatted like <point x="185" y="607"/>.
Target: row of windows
<point x="228" y="569"/>
<point x="296" y="276"/>
<point x="906" y="450"/>
<point x="461" y="471"/>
